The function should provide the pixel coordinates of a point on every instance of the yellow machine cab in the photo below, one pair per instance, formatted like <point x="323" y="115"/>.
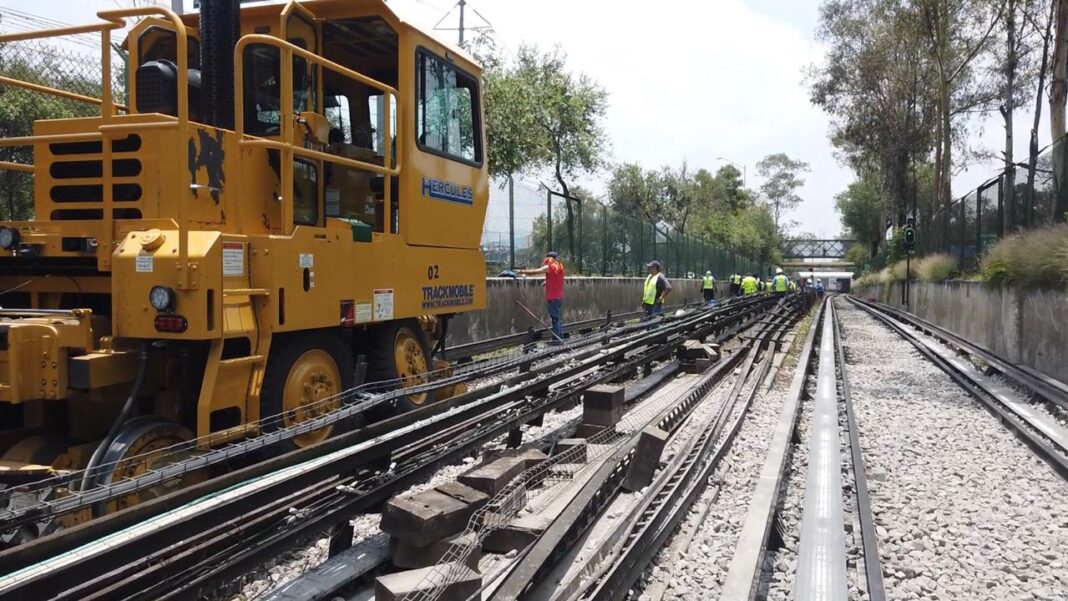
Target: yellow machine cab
<point x="284" y="188"/>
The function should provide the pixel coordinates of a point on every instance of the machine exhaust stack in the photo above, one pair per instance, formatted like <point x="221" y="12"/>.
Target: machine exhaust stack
<point x="219" y="29"/>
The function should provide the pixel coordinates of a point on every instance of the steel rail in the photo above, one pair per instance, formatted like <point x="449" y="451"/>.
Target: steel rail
<point x="329" y="577"/>
<point x="533" y="564"/>
<point x="873" y="570"/>
<point x="14" y="517"/>
<point x="470" y="349"/>
<point x="1044" y="386"/>
<point x="231" y="566"/>
<point x="682" y="482"/>
<point x="124" y="556"/>
<point x="743" y="576"/>
<point x="1045" y="437"/>
<point x="821" y="552"/>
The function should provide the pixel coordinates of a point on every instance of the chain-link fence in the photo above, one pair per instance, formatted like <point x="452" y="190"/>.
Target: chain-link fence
<point x="591" y="238"/>
<point x="71" y="64"/>
<point x="1004" y="204"/>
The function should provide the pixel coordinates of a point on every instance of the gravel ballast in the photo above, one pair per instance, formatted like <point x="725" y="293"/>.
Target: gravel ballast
<point x="715" y="520"/>
<point x="963" y="509"/>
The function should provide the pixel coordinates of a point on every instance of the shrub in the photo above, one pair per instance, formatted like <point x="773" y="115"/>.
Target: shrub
<point x="1033" y="259"/>
<point x="866" y="279"/>
<point x="895" y="250"/>
<point x="858" y="255"/>
<point x="897" y="270"/>
<point x="936" y="268"/>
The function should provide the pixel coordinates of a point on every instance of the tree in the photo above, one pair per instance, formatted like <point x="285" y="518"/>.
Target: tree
<point x="637" y="192"/>
<point x="859" y="256"/>
<point x="782" y="178"/>
<point x="1017" y="68"/>
<point x="566" y="114"/>
<point x="509" y="101"/>
<point x="1058" y="91"/>
<point x="1032" y="148"/>
<point x="728" y="191"/>
<point x="20" y="108"/>
<point x="957" y="32"/>
<point x="862" y="211"/>
<point x="877" y="83"/>
<point x="683" y="194"/>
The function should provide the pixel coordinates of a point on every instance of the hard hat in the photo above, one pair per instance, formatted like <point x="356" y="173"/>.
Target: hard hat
<point x="778" y="270"/>
<point x="708" y="273"/>
<point x="655" y="264"/>
<point x="552" y="253"/>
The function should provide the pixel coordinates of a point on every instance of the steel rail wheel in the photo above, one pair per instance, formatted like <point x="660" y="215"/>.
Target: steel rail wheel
<point x="306" y="374"/>
<point x="311" y="390"/>
<point x="398" y="351"/>
<point x="142" y="444"/>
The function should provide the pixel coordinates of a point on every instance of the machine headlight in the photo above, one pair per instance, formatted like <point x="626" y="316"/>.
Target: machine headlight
<point x="162" y="298"/>
<point x="9" y="238"/>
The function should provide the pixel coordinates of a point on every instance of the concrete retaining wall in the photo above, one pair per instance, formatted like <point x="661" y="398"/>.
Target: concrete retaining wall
<point x="1029" y="327"/>
<point x="584" y="298"/>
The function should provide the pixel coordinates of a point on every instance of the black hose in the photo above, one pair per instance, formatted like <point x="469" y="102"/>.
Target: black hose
<point x="124" y="414"/>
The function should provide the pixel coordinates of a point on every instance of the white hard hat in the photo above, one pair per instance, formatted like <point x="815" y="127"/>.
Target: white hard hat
<point x="708" y="273"/>
<point x="778" y="270"/>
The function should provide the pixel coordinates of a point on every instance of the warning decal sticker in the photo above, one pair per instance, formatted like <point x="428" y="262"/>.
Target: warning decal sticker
<point x="143" y="263"/>
<point x="363" y="312"/>
<point x="383" y="301"/>
<point x="233" y="257"/>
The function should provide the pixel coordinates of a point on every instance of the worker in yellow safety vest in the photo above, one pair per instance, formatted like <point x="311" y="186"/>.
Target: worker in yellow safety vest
<point x="793" y="286"/>
<point x="708" y="286"/>
<point x="736" y="284"/>
<point x="780" y="283"/>
<point x="656" y="289"/>
<point x="749" y="284"/>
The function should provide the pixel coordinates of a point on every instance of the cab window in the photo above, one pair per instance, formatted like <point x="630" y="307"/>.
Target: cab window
<point x="262" y="98"/>
<point x="305" y="192"/>
<point x="447" y="110"/>
<point x="157" y="43"/>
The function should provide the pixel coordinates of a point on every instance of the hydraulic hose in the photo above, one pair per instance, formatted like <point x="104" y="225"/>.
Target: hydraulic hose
<point x="88" y="477"/>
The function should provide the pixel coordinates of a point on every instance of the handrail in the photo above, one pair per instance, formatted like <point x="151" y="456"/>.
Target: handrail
<point x="287" y="119"/>
<point x="116" y="17"/>
<point x="112" y="20"/>
<point x="36" y="87"/>
<point x="23" y="167"/>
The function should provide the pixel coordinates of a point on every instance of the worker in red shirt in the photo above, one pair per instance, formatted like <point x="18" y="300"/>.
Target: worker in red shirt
<point x="554" y="290"/>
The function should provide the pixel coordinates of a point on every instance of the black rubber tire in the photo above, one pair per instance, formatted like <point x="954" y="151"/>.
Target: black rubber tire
<point x="285" y="350"/>
<point x="379" y="345"/>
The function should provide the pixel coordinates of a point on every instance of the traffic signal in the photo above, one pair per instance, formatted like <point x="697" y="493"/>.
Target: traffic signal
<point x="910" y="237"/>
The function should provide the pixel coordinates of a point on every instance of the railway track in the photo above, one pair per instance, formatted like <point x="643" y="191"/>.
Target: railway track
<point x="824" y="483"/>
<point x="183" y="543"/>
<point x="187" y="548"/>
<point x="38" y="503"/>
<point x="832" y="562"/>
<point x="671" y="408"/>
<point x="959" y="358"/>
<point x="665" y="499"/>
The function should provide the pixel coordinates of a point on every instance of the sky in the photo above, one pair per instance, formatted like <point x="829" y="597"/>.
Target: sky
<point x="688" y="80"/>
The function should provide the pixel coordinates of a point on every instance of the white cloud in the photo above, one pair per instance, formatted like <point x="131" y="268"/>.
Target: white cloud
<point x="688" y="80"/>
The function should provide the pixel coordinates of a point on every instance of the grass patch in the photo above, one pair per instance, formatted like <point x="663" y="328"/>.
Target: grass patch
<point x="897" y="270"/>
<point x="1034" y="259"/>
<point x="938" y="267"/>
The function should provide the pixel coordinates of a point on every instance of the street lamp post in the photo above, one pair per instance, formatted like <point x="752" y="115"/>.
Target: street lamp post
<point x="736" y="165"/>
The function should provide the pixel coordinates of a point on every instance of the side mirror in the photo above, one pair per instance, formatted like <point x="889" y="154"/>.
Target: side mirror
<point x="316" y="125"/>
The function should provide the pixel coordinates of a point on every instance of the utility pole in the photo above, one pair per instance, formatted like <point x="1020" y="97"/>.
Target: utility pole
<point x="461" y="4"/>
<point x="511" y="223"/>
<point x="480" y="23"/>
